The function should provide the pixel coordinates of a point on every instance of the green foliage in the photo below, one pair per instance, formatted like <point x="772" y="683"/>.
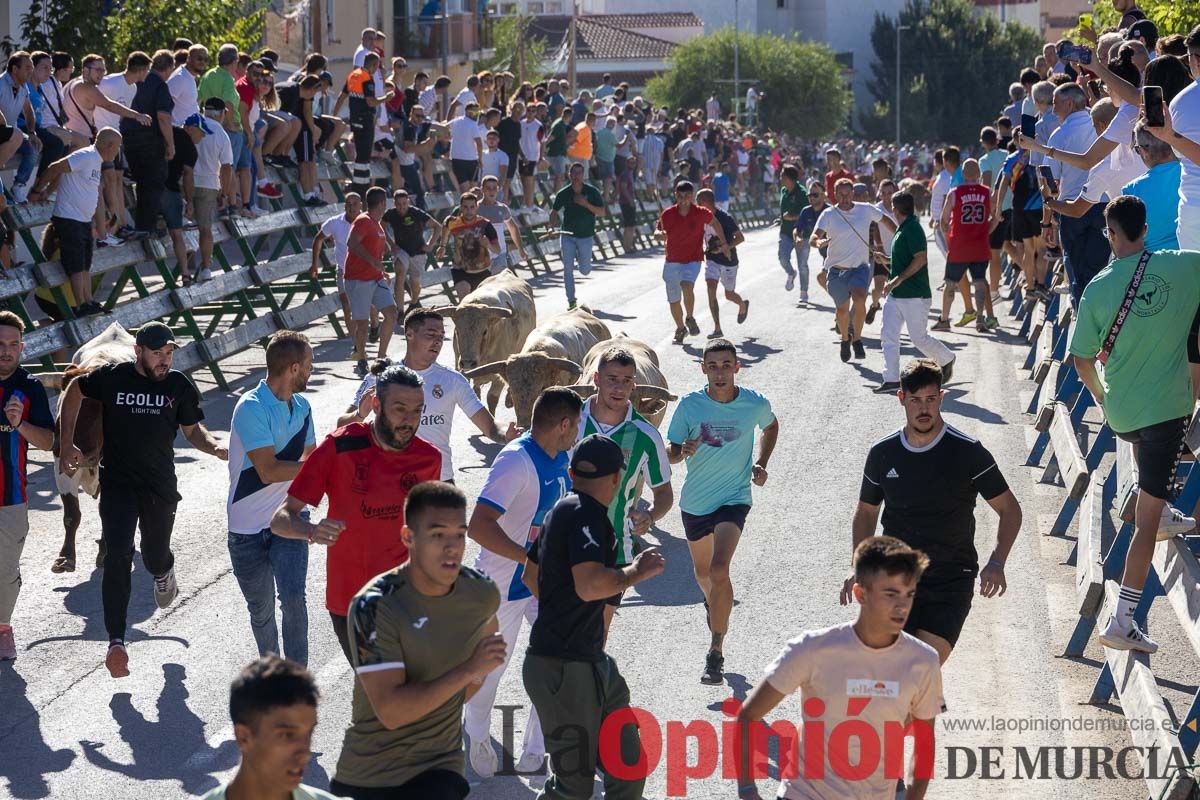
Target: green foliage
<point x="49" y="25"/>
<point x="1171" y="16"/>
<point x="152" y="24"/>
<point x="956" y="66"/>
<point x="801" y="82"/>
<point x="517" y="51"/>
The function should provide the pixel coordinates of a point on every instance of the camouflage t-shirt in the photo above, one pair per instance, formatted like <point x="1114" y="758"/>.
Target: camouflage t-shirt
<point x="393" y="626"/>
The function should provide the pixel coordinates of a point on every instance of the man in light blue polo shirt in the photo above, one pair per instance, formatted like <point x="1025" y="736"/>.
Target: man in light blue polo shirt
<point x="270" y="434"/>
<point x="1158" y="189"/>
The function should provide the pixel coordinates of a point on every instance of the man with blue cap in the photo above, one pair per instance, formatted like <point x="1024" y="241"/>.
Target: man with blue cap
<point x="178" y="201"/>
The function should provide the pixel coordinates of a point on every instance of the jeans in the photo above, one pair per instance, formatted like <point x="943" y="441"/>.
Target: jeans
<point x="1087" y="251"/>
<point x="123" y="509"/>
<point x="787" y="246"/>
<point x="575" y="250"/>
<point x="29" y="161"/>
<point x="263" y="562"/>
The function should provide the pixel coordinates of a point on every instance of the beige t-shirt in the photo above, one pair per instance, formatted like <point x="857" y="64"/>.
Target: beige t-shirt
<point x="879" y="685"/>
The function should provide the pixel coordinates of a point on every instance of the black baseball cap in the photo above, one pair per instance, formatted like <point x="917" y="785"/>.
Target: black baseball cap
<point x="597" y="456"/>
<point x="155" y="336"/>
<point x="1142" y="29"/>
<point x="214" y="104"/>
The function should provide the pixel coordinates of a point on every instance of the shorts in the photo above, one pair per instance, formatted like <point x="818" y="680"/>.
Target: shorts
<point x="526" y="169"/>
<point x="435" y="784"/>
<point x="75" y="244"/>
<point x="697" y="526"/>
<point x="472" y="279"/>
<point x="604" y="169"/>
<point x="1025" y="225"/>
<point x="558" y="165"/>
<point x="340" y="279"/>
<point x="1192" y="347"/>
<point x="880" y="270"/>
<point x="675" y="274"/>
<point x="719" y="272"/>
<point x="941" y="610"/>
<point x="619" y="163"/>
<point x="364" y="294"/>
<point x="6" y="133"/>
<point x="1003" y="231"/>
<point x="304" y="147"/>
<point x="628" y="215"/>
<point x="841" y="281"/>
<point x="1157" y="452"/>
<point x="173" y="210"/>
<point x="464" y="170"/>
<point x="204" y="205"/>
<point x="326" y="126"/>
<point x="284" y="117"/>
<point x="408" y="263"/>
<point x="956" y="269"/>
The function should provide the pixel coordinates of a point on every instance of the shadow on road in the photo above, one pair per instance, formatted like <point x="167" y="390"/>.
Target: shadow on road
<point x="173" y="747"/>
<point x="955" y="404"/>
<point x="27" y="758"/>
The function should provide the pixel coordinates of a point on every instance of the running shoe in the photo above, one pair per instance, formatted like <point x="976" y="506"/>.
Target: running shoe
<point x="859" y="350"/>
<point x="803" y="296"/>
<point x="483" y="757"/>
<point x="571" y="304"/>
<point x="991" y="323"/>
<point x="116" y="661"/>
<point x="966" y="319"/>
<point x="268" y="189"/>
<point x="871" y="312"/>
<point x="112" y="241"/>
<point x="205" y="274"/>
<point x="680" y="333"/>
<point x="1173" y="522"/>
<point x="791" y="283"/>
<point x="887" y="387"/>
<point x="314" y="201"/>
<point x="286" y="161"/>
<point x="1126" y="637"/>
<point x="714" y="669"/>
<point x="20" y="193"/>
<point x="745" y="311"/>
<point x="845" y="350"/>
<point x="940" y="325"/>
<point x="981" y="325"/>
<point x="165" y="589"/>
<point x="947" y="372"/>
<point x="8" y="645"/>
<point x="716" y="334"/>
<point x="692" y="326"/>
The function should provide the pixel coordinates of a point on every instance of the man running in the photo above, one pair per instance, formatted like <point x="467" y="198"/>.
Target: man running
<point x="445" y="390"/>
<point x="145" y="403"/>
<point x="366" y="471"/>
<point x="423" y="638"/>
<point x="404" y="225"/>
<point x="476" y="242"/>
<point x="719" y="268"/>
<point x="527" y="478"/>
<point x="610" y="412"/>
<point x="927" y="475"/>
<point x="967" y="220"/>
<point x="869" y="671"/>
<point x="682" y="225"/>
<point x="713" y="429"/>
<point x="806" y="223"/>
<point x="845" y="230"/>
<point x="336" y="229"/>
<point x="792" y="200"/>
<point x="367" y="284"/>
<point x="580" y="204"/>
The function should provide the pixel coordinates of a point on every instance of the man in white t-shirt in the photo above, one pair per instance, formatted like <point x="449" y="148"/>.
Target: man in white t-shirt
<point x="445" y="389"/>
<point x="1185" y="119"/>
<point x="937" y="195"/>
<point x="336" y="229"/>
<point x="845" y="229"/>
<point x="532" y="149"/>
<point x="182" y="84"/>
<point x="466" y="147"/>
<point x="214" y="169"/>
<point x="867" y="671"/>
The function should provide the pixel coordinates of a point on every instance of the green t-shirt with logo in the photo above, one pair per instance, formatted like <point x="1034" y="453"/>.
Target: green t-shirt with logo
<point x="556" y="143"/>
<point x="577" y="220"/>
<point x="1146" y="380"/>
<point x="791" y="202"/>
<point x="908" y="241"/>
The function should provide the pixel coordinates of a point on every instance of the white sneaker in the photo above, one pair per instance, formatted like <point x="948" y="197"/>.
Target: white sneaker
<point x="113" y="241"/>
<point x="791" y="282"/>
<point x="165" y="589"/>
<point x="205" y="275"/>
<point x="1173" y="522"/>
<point x="1121" y="637"/>
<point x="20" y="192"/>
<point x="531" y="762"/>
<point x="483" y="757"/>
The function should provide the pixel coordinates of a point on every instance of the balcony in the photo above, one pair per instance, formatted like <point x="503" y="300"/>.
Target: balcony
<point x="459" y="34"/>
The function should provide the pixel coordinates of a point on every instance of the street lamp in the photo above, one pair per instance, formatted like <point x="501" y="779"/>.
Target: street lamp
<point x="899" y="28"/>
<point x="737" y="101"/>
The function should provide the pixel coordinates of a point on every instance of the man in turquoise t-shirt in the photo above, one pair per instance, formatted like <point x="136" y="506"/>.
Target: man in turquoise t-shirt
<point x="713" y="429"/>
<point x="1146" y="390"/>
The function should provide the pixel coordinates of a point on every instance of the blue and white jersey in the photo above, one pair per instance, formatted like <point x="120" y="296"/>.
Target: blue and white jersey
<point x="260" y="419"/>
<point x="524" y="484"/>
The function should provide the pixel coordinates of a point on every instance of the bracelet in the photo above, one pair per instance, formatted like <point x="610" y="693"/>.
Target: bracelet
<point x="743" y="790"/>
<point x="992" y="561"/>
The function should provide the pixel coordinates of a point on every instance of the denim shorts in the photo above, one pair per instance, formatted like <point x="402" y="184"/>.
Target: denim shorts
<point x="242" y="153"/>
<point x="675" y="274"/>
<point x="173" y="210"/>
<point x="841" y="281"/>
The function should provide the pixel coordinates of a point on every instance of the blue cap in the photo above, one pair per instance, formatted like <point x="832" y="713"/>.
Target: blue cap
<point x="196" y="121"/>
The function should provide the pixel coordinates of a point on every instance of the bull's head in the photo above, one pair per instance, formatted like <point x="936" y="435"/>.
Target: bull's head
<point x="474" y="326"/>
<point x="527" y="375"/>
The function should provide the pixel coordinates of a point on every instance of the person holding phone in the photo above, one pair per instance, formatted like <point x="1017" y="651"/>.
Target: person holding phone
<point x="1182" y="131"/>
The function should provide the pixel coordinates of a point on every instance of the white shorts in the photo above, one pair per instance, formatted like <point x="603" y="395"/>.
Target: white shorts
<point x="719" y="272"/>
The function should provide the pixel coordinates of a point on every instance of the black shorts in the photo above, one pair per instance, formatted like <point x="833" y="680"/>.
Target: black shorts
<point x="697" y="526"/>
<point x="436" y="784"/>
<point x="1025" y="225"/>
<point x="956" y="269"/>
<point x="465" y="170"/>
<point x="880" y="270"/>
<point x="1157" y="451"/>
<point x="304" y="147"/>
<point x="325" y="126"/>
<point x="628" y="215"/>
<point x="1003" y="231"/>
<point x="941" y="609"/>
<point x="6" y="133"/>
<point x="75" y="244"/>
<point x="472" y="279"/>
<point x="1193" y="348"/>
<point x="526" y="169"/>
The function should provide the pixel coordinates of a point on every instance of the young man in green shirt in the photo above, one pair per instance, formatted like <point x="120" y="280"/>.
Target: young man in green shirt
<point x="792" y="200"/>
<point x="1146" y="389"/>
<point x="580" y="204"/>
<point x="610" y="412"/>
<point x="908" y="297"/>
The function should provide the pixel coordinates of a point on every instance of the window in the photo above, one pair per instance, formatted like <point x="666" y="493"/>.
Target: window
<point x="536" y="8"/>
<point x="781" y="3"/>
<point x="554" y="8"/>
<point x="508" y="9"/>
<point x="330" y="21"/>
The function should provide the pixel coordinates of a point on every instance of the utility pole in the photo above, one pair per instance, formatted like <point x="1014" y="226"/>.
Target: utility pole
<point x="571" y="47"/>
<point x="899" y="28"/>
<point x="318" y="25"/>
<point x="737" y="84"/>
<point x="446" y="58"/>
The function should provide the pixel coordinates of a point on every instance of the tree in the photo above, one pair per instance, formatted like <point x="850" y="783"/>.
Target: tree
<point x="1170" y="16"/>
<point x="518" y="50"/>
<point x="956" y="67"/>
<point x="801" y="82"/>
<point x="152" y="24"/>
<point x="52" y="25"/>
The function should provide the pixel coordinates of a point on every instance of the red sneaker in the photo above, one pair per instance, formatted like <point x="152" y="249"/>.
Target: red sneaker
<point x="270" y="190"/>
<point x="117" y="661"/>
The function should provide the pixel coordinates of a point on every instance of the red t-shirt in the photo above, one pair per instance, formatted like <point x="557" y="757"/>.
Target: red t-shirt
<point x="359" y="269"/>
<point x="246" y="92"/>
<point x="367" y="487"/>
<point x="685" y="233"/>
<point x="831" y="179"/>
<point x="970" y="223"/>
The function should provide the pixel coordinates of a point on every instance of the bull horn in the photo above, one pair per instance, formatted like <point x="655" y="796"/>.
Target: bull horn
<point x="487" y="369"/>
<point x="52" y="380"/>
<point x="651" y="392"/>
<point x="445" y="311"/>
<point x="566" y="365"/>
<point x="584" y="390"/>
<point x="497" y="311"/>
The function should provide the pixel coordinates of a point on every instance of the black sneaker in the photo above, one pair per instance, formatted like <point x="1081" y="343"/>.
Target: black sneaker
<point x="286" y="161"/>
<point x="360" y="368"/>
<point x="874" y="309"/>
<point x="373" y="336"/>
<point x="887" y="387"/>
<point x="859" y="350"/>
<point x="692" y="326"/>
<point x="314" y="202"/>
<point x="714" y="669"/>
<point x="947" y="371"/>
<point x="680" y="333"/>
<point x="845" y="350"/>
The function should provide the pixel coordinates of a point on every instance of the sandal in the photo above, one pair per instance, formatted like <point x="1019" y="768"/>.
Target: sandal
<point x="63" y="564"/>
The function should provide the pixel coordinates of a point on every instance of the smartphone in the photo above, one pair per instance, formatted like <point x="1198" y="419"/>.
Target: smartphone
<point x="1094" y="88"/>
<point x="1028" y="126"/>
<point x="1074" y="52"/>
<point x="1152" y="100"/>
<point x="1048" y="177"/>
<point x="1085" y="21"/>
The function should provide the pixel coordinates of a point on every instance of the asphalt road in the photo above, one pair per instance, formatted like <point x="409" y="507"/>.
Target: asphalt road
<point x="67" y="730"/>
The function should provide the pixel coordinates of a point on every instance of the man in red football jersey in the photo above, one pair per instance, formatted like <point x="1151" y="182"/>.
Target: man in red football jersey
<point x="967" y="219"/>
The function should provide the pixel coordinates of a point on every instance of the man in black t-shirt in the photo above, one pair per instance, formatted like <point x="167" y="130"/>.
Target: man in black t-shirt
<point x="572" y="682"/>
<point x="296" y="98"/>
<point x="927" y="475"/>
<point x="144" y="402"/>
<point x="404" y="226"/>
<point x="147" y="147"/>
<point x="177" y="203"/>
<point x="719" y="268"/>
